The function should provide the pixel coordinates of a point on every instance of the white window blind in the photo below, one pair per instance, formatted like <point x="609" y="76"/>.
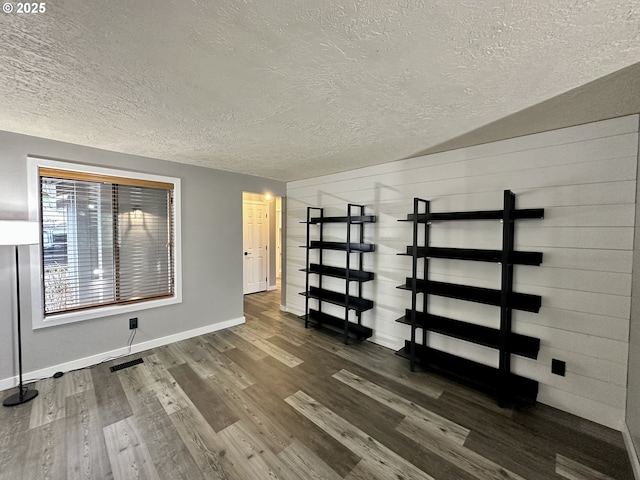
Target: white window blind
<point x="105" y="240"/>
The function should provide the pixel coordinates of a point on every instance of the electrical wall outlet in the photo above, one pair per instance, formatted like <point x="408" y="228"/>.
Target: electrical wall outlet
<point x="558" y="367"/>
<point x="133" y="323"/>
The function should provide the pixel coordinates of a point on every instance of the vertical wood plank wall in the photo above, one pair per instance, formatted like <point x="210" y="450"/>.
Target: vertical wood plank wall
<point x="585" y="179"/>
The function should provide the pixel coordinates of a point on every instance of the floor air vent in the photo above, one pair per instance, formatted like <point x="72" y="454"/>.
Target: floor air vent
<point x="130" y="363"/>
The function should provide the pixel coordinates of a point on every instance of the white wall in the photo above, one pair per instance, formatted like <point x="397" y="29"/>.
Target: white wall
<point x="633" y="382"/>
<point x="211" y="259"/>
<point x="585" y="179"/>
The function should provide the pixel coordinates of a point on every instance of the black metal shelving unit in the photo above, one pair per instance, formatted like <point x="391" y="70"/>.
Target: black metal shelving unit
<point x="352" y="272"/>
<point x="498" y="381"/>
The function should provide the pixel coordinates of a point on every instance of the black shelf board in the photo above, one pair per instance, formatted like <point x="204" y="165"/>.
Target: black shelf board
<point x="487" y="296"/>
<point x="474" y="374"/>
<point x="355" y="303"/>
<point x="476" y="215"/>
<point x="342" y="246"/>
<point x="339" y="272"/>
<point x="324" y="320"/>
<point x="354" y="219"/>
<point x="516" y="258"/>
<point x="522" y="345"/>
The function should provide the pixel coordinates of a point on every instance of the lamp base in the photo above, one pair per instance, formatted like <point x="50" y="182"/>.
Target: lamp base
<point x="23" y="396"/>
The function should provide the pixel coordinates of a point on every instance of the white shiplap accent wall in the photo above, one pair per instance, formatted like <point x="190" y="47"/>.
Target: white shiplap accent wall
<point x="585" y="179"/>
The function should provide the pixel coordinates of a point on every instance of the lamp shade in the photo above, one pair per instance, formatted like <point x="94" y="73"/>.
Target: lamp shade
<point x="18" y="232"/>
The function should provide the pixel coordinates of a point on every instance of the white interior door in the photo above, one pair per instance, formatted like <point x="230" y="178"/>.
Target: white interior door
<point x="255" y="238"/>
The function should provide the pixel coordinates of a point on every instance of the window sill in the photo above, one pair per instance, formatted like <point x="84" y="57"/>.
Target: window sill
<point x="94" y="313"/>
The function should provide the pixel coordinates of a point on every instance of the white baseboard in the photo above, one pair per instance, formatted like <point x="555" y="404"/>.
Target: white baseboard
<point x="386" y="341"/>
<point x="270" y="288"/>
<point x="283" y="308"/>
<point x="295" y="311"/>
<point x="631" y="450"/>
<point x="7" y="383"/>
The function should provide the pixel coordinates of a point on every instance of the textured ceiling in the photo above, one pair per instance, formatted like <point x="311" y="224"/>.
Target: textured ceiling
<point x="614" y="95"/>
<point x="296" y="89"/>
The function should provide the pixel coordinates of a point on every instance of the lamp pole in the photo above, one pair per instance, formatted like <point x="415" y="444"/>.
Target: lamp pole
<point x="19" y="233"/>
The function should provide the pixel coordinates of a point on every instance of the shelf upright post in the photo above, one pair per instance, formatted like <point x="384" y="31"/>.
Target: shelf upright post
<point x="306" y="288"/>
<point x="425" y="295"/>
<point x="347" y="277"/>
<point x="320" y="253"/>
<point x="508" y="233"/>
<point x="308" y="264"/>
<point x="414" y="279"/>
<point x="360" y="258"/>
<point x="414" y="286"/>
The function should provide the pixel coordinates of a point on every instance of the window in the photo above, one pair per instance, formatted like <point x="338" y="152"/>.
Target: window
<point x="108" y="241"/>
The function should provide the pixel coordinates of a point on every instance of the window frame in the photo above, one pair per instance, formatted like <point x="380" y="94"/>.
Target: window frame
<point x="39" y="319"/>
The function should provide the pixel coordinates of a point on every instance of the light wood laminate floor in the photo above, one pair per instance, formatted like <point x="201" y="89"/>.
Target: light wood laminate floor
<point x="271" y="400"/>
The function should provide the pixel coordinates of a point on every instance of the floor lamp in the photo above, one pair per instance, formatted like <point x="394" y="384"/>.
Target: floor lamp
<point x="15" y="233"/>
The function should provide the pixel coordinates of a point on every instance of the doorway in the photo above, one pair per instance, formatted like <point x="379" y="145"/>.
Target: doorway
<point x="261" y="247"/>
